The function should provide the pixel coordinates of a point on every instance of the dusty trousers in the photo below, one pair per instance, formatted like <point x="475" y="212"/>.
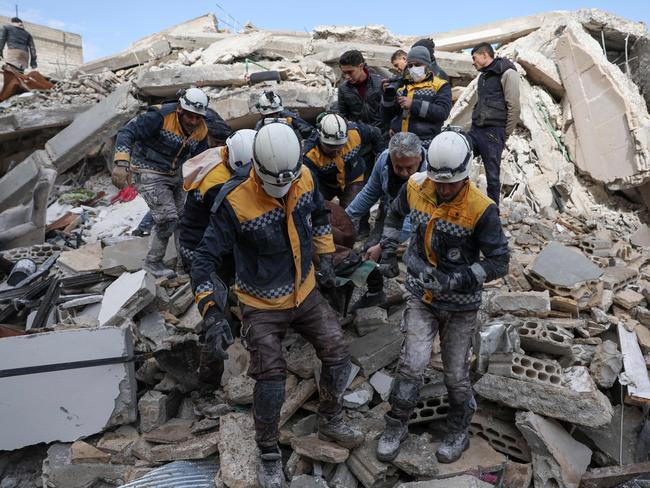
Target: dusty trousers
<point x="165" y="197"/>
<point x="420" y="324"/>
<point x="262" y="334"/>
<point x="489" y="142"/>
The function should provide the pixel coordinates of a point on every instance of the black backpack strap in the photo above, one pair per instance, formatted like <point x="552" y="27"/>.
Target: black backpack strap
<point x="234" y="181"/>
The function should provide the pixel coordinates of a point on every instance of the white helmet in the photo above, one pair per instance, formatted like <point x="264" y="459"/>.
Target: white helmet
<point x="240" y="148"/>
<point x="449" y="155"/>
<point x="333" y="130"/>
<point x="277" y="157"/>
<point x="194" y="100"/>
<point x="269" y="103"/>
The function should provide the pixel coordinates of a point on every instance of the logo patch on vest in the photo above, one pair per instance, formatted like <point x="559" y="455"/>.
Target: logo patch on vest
<point x="454" y="254"/>
<point x="308" y="221"/>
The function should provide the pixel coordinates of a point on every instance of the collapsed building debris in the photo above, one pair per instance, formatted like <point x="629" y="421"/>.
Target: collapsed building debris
<point x="563" y="353"/>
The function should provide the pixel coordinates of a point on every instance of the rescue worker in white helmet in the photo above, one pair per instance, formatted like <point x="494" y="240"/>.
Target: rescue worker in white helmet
<point x="273" y="221"/>
<point x="270" y="106"/>
<point x="153" y="147"/>
<point x="334" y="155"/>
<point x="456" y="245"/>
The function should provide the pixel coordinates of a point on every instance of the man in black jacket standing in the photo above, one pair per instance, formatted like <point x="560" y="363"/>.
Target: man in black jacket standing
<point x="359" y="98"/>
<point x="20" y="45"/>
<point x="496" y="112"/>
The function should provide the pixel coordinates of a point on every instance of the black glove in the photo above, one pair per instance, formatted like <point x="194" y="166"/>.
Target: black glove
<point x="388" y="266"/>
<point x="218" y="333"/>
<point x="439" y="282"/>
<point x="326" y="276"/>
<point x="33" y="64"/>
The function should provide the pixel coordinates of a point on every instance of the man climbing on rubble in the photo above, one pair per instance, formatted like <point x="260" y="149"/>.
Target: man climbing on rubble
<point x="273" y="221"/>
<point x="404" y="157"/>
<point x="495" y="114"/>
<point x="453" y="225"/>
<point x="21" y="51"/>
<point x="421" y="103"/>
<point x="333" y="154"/>
<point x="270" y="106"/>
<point x="154" y="147"/>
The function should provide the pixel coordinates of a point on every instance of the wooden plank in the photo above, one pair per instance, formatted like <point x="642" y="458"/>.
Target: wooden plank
<point x="634" y="364"/>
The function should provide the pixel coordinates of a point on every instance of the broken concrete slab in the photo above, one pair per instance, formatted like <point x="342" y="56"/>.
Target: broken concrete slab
<point x="370" y="319"/>
<point x="86" y="259"/>
<point x="301" y="359"/>
<point x="611" y="117"/>
<point x="479" y="456"/>
<point x="365" y="466"/>
<point x="307" y="481"/>
<point x="173" y="431"/>
<point x="634" y="364"/>
<point x="606" y="364"/>
<point x="539" y="336"/>
<point x="558" y="459"/>
<point x="58" y="471"/>
<point x="376" y="350"/>
<point x="80" y="401"/>
<point x="199" y="447"/>
<point x="165" y="82"/>
<point x="151" y="329"/>
<point x="239" y="390"/>
<point x="91" y="128"/>
<point x="523" y="303"/>
<point x="126" y="296"/>
<point x="230" y="49"/>
<point x="343" y="478"/>
<point x="126" y="255"/>
<point x="417" y="457"/>
<point x="592" y="409"/>
<point x="541" y="70"/>
<point x="119" y="440"/>
<point x="128" y="58"/>
<point x="464" y="481"/>
<point x="295" y="399"/>
<point x="628" y="299"/>
<point x="641" y="237"/>
<point x="83" y="453"/>
<point x="613" y="476"/>
<point x="237" y="450"/>
<point x="562" y="269"/>
<point x="314" y="448"/>
<point x="609" y="439"/>
<point x="20" y="124"/>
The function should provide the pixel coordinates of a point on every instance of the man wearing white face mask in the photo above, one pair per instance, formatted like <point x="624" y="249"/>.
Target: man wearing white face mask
<point x="422" y="103"/>
<point x="272" y="222"/>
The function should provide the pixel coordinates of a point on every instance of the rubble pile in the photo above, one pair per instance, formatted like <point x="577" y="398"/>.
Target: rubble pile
<point x="100" y="364"/>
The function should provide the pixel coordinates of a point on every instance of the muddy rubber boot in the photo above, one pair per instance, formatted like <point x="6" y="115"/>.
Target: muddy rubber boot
<point x="269" y="470"/>
<point x="391" y="439"/>
<point x="453" y="447"/>
<point x="158" y="269"/>
<point x="368" y="300"/>
<point x="336" y="429"/>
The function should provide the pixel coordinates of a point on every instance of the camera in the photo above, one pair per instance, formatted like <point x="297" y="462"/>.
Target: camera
<point x="394" y="83"/>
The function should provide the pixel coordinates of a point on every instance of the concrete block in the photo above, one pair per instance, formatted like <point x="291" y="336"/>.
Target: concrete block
<point x="237" y="450"/>
<point x="165" y="82"/>
<point x="360" y="397"/>
<point x="16" y="184"/>
<point x="314" y="448"/>
<point x="233" y="48"/>
<point x="592" y="409"/>
<point x="526" y="368"/>
<point x="118" y="440"/>
<point x="71" y="403"/>
<point x="370" y="319"/>
<point x="524" y="303"/>
<point x="155" y="409"/>
<point x="558" y="459"/>
<point x="618" y="277"/>
<point x="92" y="127"/>
<point x="537" y="336"/>
<point x="239" y="390"/>
<point x="126" y="296"/>
<point x="376" y="350"/>
<point x="171" y="432"/>
<point x="307" y="481"/>
<point x="501" y="435"/>
<point x="541" y="70"/>
<point x="628" y="299"/>
<point x="433" y="404"/>
<point x="86" y="259"/>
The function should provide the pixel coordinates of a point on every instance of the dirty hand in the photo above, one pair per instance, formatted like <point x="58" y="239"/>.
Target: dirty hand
<point x="326" y="276"/>
<point x="121" y="177"/>
<point x="373" y="253"/>
<point x="405" y="102"/>
<point x="218" y="333"/>
<point x="388" y="266"/>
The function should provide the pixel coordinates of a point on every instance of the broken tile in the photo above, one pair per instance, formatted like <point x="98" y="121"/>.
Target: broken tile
<point x="560" y="268"/>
